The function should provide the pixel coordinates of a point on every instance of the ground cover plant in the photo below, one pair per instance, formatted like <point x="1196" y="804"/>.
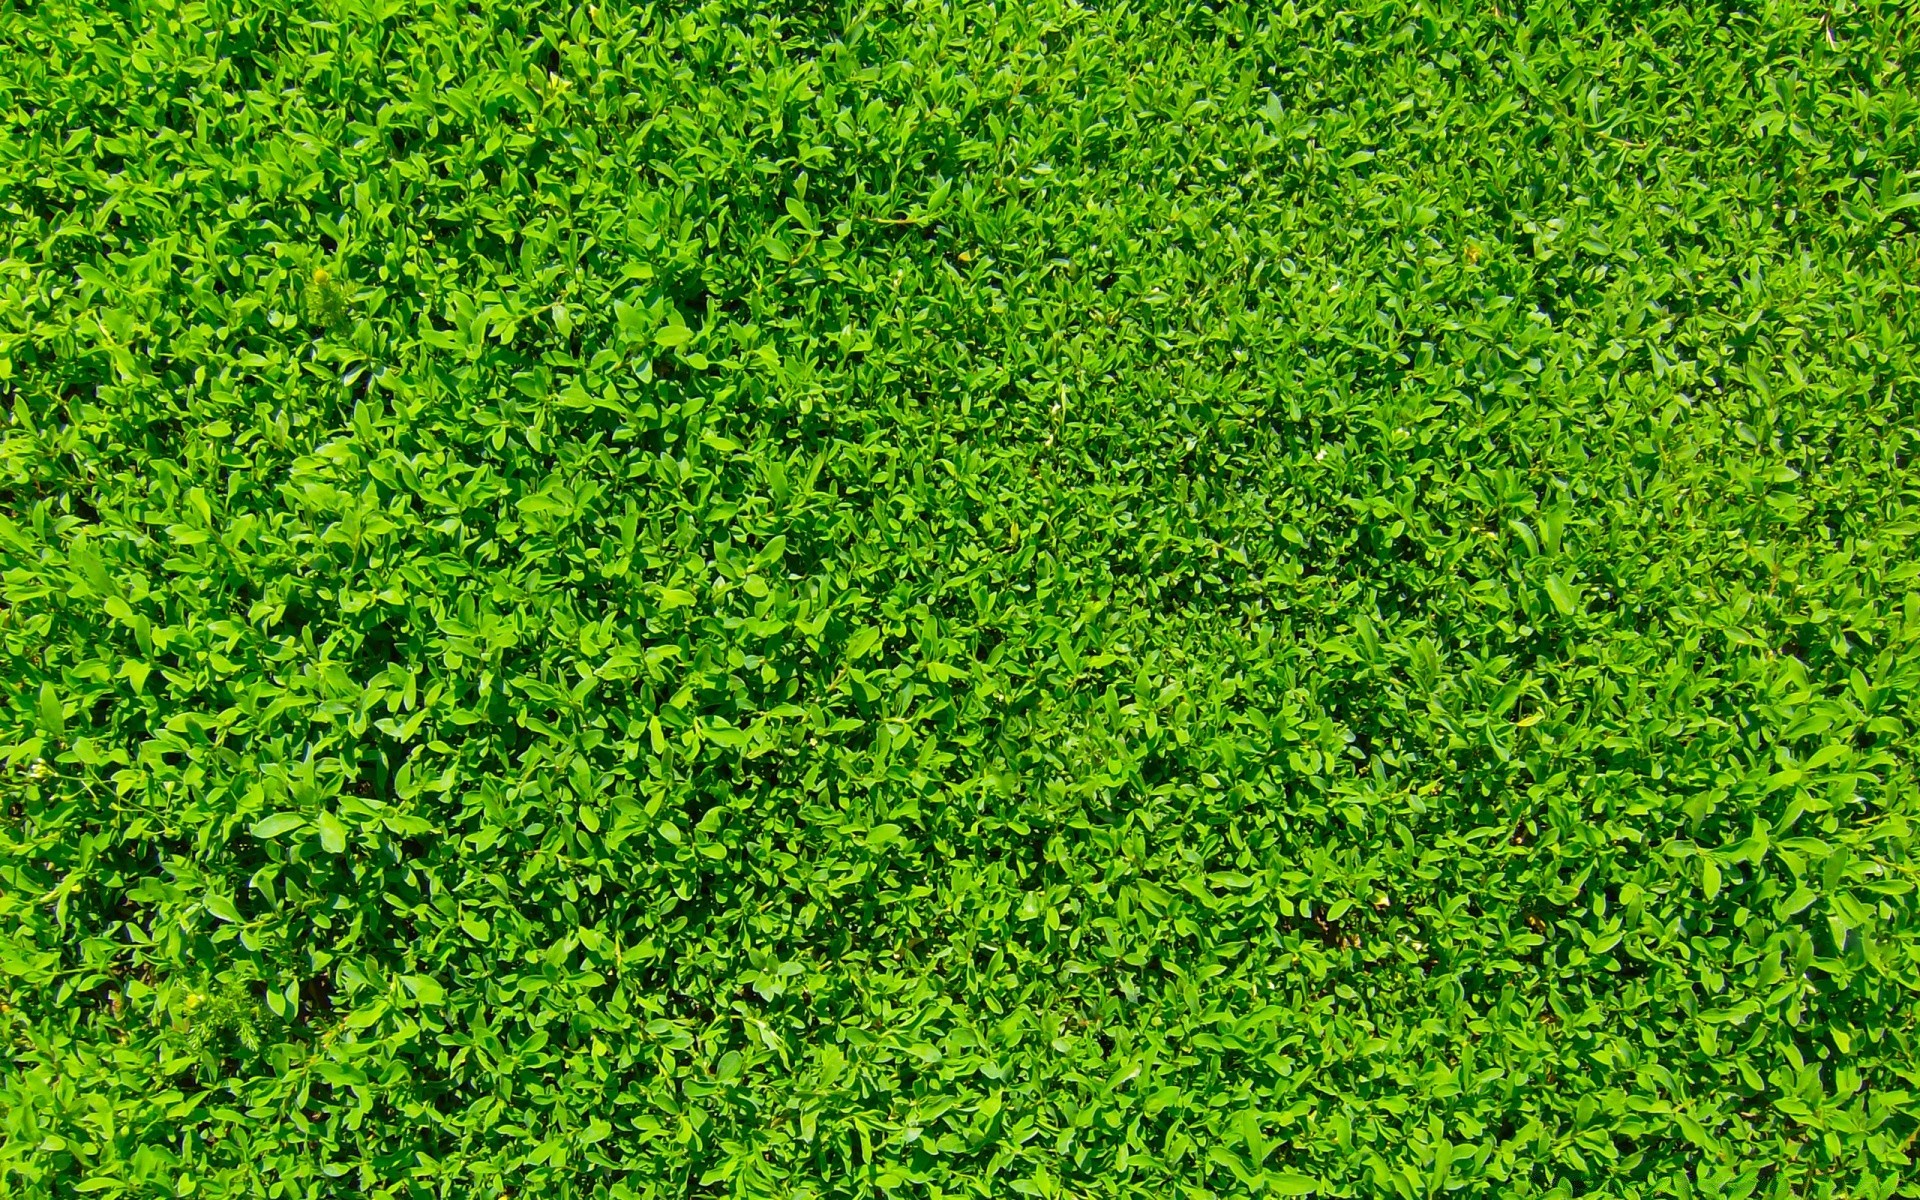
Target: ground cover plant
<point x="1020" y="599"/>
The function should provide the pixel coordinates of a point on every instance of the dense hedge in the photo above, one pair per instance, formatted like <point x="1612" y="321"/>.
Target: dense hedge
<point x="959" y="600"/>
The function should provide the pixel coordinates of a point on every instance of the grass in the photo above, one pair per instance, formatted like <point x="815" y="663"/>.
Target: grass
<point x="959" y="600"/>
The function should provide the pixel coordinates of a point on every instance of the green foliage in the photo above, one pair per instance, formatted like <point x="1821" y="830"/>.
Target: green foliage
<point x="959" y="599"/>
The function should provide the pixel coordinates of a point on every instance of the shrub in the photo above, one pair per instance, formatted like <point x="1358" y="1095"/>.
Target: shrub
<point x="958" y="600"/>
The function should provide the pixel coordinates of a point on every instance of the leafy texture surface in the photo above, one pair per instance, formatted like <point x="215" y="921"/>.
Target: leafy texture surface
<point x="958" y="599"/>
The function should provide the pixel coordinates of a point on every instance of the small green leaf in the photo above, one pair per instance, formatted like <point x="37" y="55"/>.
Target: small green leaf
<point x="277" y="824"/>
<point x="333" y="835"/>
<point x="862" y="642"/>
<point x="1802" y="897"/>
<point x="1564" y="597"/>
<point x="52" y="721"/>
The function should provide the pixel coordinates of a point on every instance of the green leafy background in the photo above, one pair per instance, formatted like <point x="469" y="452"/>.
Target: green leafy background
<point x="958" y="599"/>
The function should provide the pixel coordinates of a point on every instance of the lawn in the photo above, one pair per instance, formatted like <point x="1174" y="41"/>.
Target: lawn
<point x="988" y="599"/>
